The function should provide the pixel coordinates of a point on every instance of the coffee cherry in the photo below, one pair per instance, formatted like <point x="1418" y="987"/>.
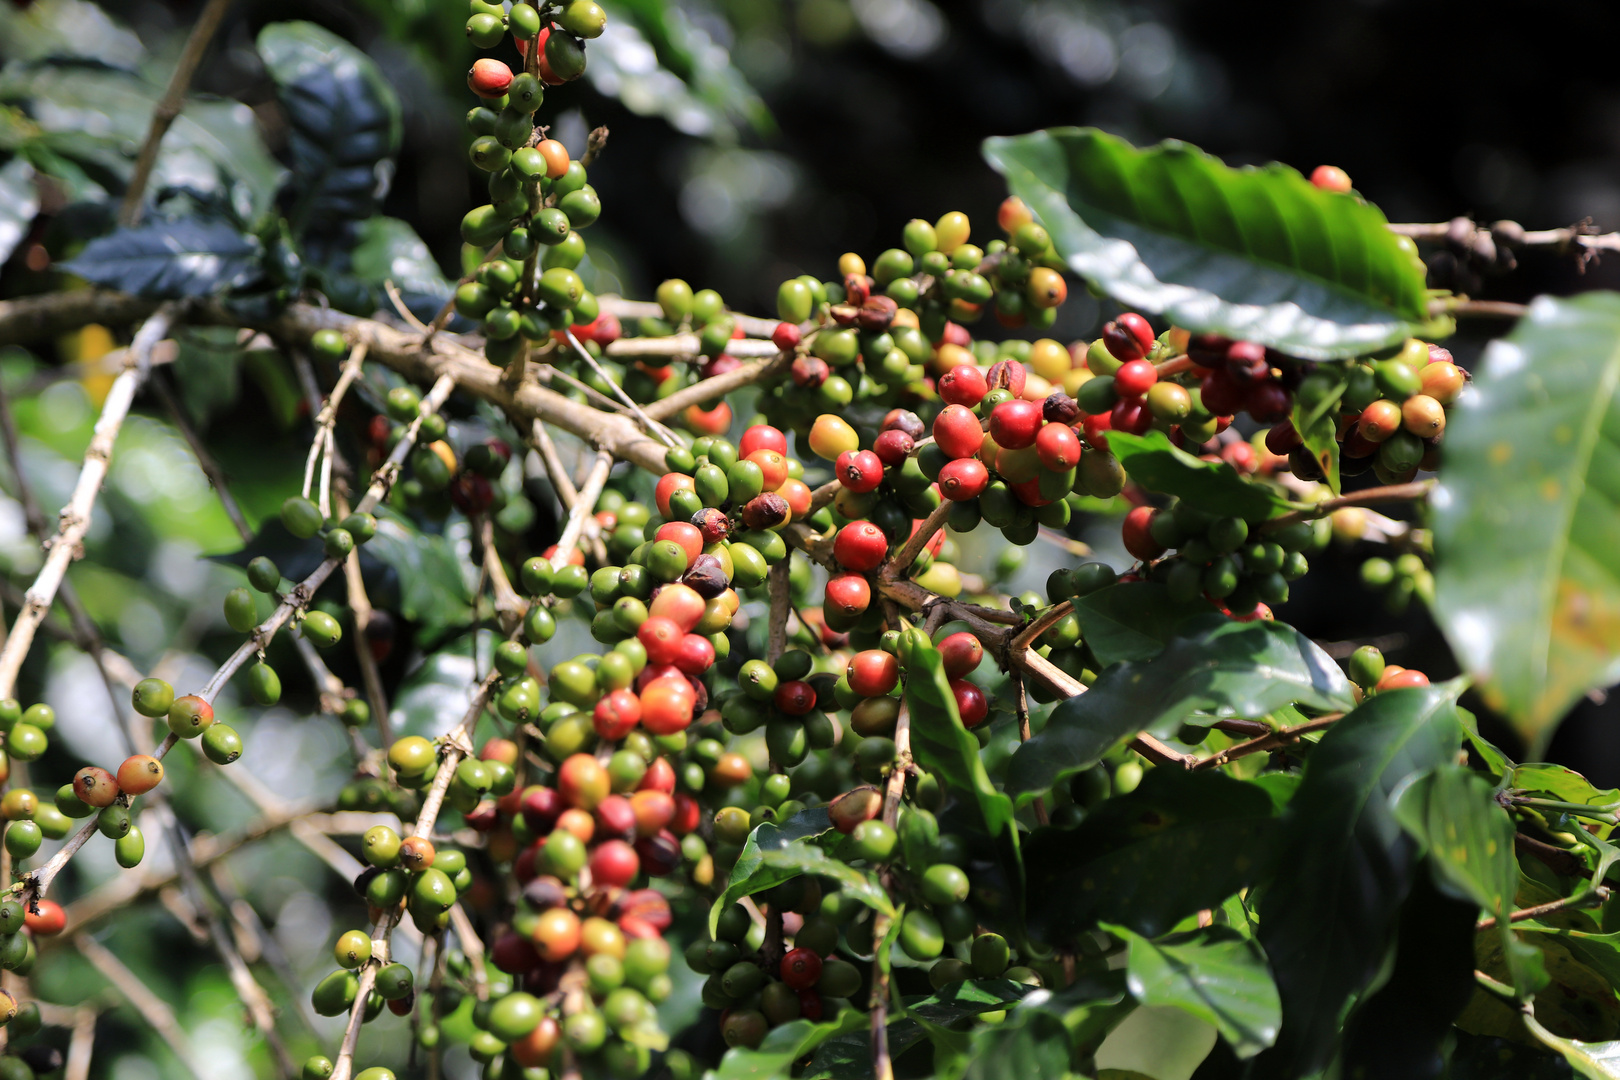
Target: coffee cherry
<point x="489" y="78"/>
<point x="1330" y="178"/>
<point x="860" y="546"/>
<point x="190" y="716"/>
<point x="1135" y="378"/>
<point x="971" y="704"/>
<point x="1138" y="536"/>
<point x="96" y="787"/>
<point x="1423" y="416"/>
<point x="956" y="431"/>
<point x="321" y="629"/>
<point x="152" y="697"/>
<point x="221" y="744"/>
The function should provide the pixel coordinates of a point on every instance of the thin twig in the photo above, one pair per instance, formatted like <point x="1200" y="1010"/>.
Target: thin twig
<point x="1592" y="897"/>
<point x="205" y="460"/>
<point x="918" y="540"/>
<point x="1416" y="489"/>
<point x="584" y="506"/>
<point x="778" y="585"/>
<point x="509" y="606"/>
<point x="323" y="445"/>
<point x="618" y="391"/>
<point x="561" y="482"/>
<point x="472" y="946"/>
<point x="169" y="106"/>
<point x="75" y="517"/>
<point x="81" y="1044"/>
<point x="153" y="1009"/>
<point x="1277" y="739"/>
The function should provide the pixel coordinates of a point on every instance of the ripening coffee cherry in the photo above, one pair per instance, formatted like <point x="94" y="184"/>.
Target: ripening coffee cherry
<point x="1331" y="178"/>
<point x="190" y="716"/>
<point x="152" y="697"/>
<point x="488" y="78"/>
<point x="95" y="786"/>
<point x="1138" y="535"/>
<point x="353" y="949"/>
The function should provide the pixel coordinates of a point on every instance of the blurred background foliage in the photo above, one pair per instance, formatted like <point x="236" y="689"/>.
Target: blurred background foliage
<point x="751" y="140"/>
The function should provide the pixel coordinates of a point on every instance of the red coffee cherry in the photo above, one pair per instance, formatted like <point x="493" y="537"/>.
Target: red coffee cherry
<point x="1058" y="447"/>
<point x="616" y="715"/>
<point x="796" y="698"/>
<point x="809" y="371"/>
<point x="964" y="384"/>
<point x="904" y="420"/>
<point x="761" y="437"/>
<point x="1268" y="402"/>
<point x="893" y="446"/>
<point x="859" y="471"/>
<point x="960" y="653"/>
<point x="489" y="78"/>
<point x="1128" y="337"/>
<point x="860" y="546"/>
<point x="963" y="479"/>
<point x="1131" y="416"/>
<point x="1219" y="393"/>
<point x="873" y="672"/>
<point x="1097" y="428"/>
<point x="614" y="863"/>
<point x="1138" y="535"/>
<point x="1282" y="438"/>
<point x="971" y="705"/>
<point x="1330" y="178"/>
<point x="1135" y="378"/>
<point x="957" y="432"/>
<point x="801" y="968"/>
<point x="848" y="594"/>
<point x="1014" y="424"/>
<point x="1008" y="375"/>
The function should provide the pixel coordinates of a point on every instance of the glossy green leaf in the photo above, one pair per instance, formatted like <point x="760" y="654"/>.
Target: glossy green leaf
<point x="1453" y="813"/>
<point x="1253" y="253"/>
<point x="1211" y="486"/>
<point x="1326" y="924"/>
<point x="940" y="743"/>
<point x="1213" y="973"/>
<point x="1597" y="1061"/>
<point x="782" y="1046"/>
<point x="1316" y="425"/>
<point x="64" y="29"/>
<point x="1600" y="952"/>
<point x="802" y="858"/>
<point x="169" y="259"/>
<point x="19" y="202"/>
<point x="750" y="874"/>
<point x="1527" y="514"/>
<point x="1402" y="1027"/>
<point x="390" y="250"/>
<point x="343" y="123"/>
<point x="1563" y="784"/>
<point x="1216" y="666"/>
<point x="1132" y="620"/>
<point x="1181" y="842"/>
<point x="1046" y="1034"/>
<point x="433" y="588"/>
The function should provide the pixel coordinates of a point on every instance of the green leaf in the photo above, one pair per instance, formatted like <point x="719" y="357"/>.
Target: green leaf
<point x="390" y="250"/>
<point x="19" y="202"/>
<point x="940" y="743"/>
<point x="1316" y="427"/>
<point x="1213" y="973"/>
<point x="1132" y="620"/>
<point x="750" y="874"/>
<point x="1453" y="813"/>
<point x="433" y="589"/>
<point x="169" y="259"/>
<point x="1181" y="842"/>
<point x="965" y="1000"/>
<point x="67" y="29"/>
<point x="1527" y="514"/>
<point x="1326" y="923"/>
<point x="343" y="123"/>
<point x="1563" y="784"/>
<point x="1254" y="253"/>
<point x="1599" y="1061"/>
<point x="1211" y="486"/>
<point x="1216" y="666"/>
<point x="1046" y="1033"/>
<point x="775" y="853"/>
<point x="1402" y="1028"/>
<point x="783" y="1046"/>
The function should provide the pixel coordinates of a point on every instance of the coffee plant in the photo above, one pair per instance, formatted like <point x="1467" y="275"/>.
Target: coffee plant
<point x="749" y="768"/>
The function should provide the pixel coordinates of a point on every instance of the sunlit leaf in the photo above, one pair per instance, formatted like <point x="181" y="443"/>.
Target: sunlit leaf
<point x="1254" y="253"/>
<point x="1213" y="973"/>
<point x="1527" y="514"/>
<point x="1211" y="486"/>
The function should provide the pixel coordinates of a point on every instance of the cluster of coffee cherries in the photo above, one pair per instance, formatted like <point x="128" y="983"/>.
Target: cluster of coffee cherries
<point x="1238" y="564"/>
<point x="528" y="290"/>
<point x="19" y="926"/>
<point x="1370" y="674"/>
<point x="875" y="337"/>
<point x="1399" y="579"/>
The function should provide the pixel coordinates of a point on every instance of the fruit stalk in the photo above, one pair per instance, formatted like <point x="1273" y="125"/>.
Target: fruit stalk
<point x="321" y="447"/>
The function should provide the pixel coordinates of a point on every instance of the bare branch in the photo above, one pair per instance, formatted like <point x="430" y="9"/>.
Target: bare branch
<point x="1275" y="740"/>
<point x="918" y="540"/>
<point x="153" y="1009"/>
<point x="584" y="506"/>
<point x="66" y="546"/>
<point x="205" y="460"/>
<point x="778" y="584"/>
<point x="169" y="106"/>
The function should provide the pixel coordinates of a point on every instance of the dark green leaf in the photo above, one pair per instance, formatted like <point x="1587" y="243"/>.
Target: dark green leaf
<point x="1181" y="842"/>
<point x="67" y="29"/>
<point x="343" y="122"/>
<point x="783" y="1046"/>
<point x="1211" y="486"/>
<point x="964" y="1000"/>
<point x="1600" y="952"/>
<point x="1527" y="514"/>
<point x="19" y="202"/>
<point x="1598" y="1061"/>
<point x="943" y="746"/>
<point x="169" y="259"/>
<point x="1453" y="813"/>
<point x="1047" y="1033"/>
<point x="1253" y="253"/>
<point x="1132" y="620"/>
<point x="390" y="250"/>
<point x="776" y="853"/>
<point x="433" y="590"/>
<point x="1216" y="666"/>
<point x="1213" y="973"/>
<point x="1562" y="784"/>
<point x="1326" y="922"/>
<point x="1483" y="1057"/>
<point x="1402" y="1027"/>
<point x="1316" y="427"/>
